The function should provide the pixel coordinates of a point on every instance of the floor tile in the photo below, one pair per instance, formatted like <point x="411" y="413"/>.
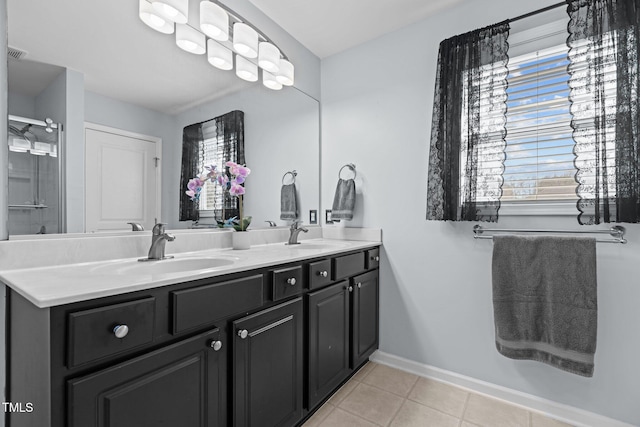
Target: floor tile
<point x="487" y="412"/>
<point x="340" y="418"/>
<point x="390" y="379"/>
<point x="441" y="396"/>
<point x="413" y="414"/>
<point x="372" y="404"/>
<point x="539" y="420"/>
<point x="364" y="371"/>
<point x="343" y="392"/>
<point x="468" y="424"/>
<point x="319" y="416"/>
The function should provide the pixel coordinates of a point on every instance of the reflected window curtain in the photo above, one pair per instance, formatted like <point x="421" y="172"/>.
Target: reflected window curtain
<point x="466" y="157"/>
<point x="222" y="139"/>
<point x="230" y="131"/>
<point x="604" y="42"/>
<point x="192" y="141"/>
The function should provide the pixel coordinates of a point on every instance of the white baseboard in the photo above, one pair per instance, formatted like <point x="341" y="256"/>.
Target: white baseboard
<point x="565" y="413"/>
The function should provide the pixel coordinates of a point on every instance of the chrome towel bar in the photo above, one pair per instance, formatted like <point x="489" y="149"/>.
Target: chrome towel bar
<point x="617" y="232"/>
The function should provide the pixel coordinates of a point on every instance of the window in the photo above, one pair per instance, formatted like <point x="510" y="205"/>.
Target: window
<point x="539" y="166"/>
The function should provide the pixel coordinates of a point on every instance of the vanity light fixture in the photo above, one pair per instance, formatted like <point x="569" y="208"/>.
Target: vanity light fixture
<point x="246" y="69"/>
<point x="153" y="19"/>
<point x="285" y="74"/>
<point x="190" y="39"/>
<point x="174" y="10"/>
<point x="268" y="57"/>
<point x="214" y="21"/>
<point x="220" y="33"/>
<point x="219" y="56"/>
<point x="245" y="40"/>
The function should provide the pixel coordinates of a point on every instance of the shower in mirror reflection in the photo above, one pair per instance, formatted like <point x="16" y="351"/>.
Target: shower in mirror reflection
<point x="35" y="183"/>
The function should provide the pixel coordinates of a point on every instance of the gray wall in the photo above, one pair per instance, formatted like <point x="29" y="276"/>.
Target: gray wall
<point x="436" y="305"/>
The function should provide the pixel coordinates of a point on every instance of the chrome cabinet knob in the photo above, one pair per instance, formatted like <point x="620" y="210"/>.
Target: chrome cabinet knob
<point x="243" y="333"/>
<point x="359" y="285"/>
<point x="291" y="281"/>
<point x="323" y="273"/>
<point x="350" y="288"/>
<point x="375" y="258"/>
<point x="120" y="331"/>
<point x="215" y="345"/>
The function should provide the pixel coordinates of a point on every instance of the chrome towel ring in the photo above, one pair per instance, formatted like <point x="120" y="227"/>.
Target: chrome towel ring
<point x="293" y="174"/>
<point x="352" y="167"/>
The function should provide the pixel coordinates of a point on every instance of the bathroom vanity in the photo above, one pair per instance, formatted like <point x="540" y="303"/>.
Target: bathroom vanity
<point x="243" y="346"/>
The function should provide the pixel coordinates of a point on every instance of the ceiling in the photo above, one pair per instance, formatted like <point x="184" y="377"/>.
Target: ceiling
<point x="327" y="27"/>
<point x="122" y="58"/>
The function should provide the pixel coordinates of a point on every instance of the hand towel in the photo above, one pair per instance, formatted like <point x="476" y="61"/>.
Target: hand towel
<point x="545" y="300"/>
<point x="344" y="200"/>
<point x="288" y="202"/>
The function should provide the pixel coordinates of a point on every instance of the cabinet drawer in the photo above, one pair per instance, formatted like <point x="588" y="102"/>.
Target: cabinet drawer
<point x="319" y="273"/>
<point x="91" y="333"/>
<point x="205" y="304"/>
<point x="286" y="282"/>
<point x="348" y="265"/>
<point x="373" y="258"/>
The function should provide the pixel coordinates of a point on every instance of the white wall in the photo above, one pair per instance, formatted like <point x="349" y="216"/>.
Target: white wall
<point x="436" y="305"/>
<point x="21" y="105"/>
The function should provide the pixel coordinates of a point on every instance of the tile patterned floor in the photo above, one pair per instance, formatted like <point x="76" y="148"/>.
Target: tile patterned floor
<point x="382" y="396"/>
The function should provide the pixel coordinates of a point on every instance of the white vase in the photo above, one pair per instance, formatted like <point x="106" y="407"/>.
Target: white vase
<point x="241" y="240"/>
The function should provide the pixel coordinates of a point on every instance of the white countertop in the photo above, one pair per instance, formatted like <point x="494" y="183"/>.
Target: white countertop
<point x="56" y="285"/>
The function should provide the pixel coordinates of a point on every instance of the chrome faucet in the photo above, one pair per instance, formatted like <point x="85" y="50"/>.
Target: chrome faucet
<point x="295" y="230"/>
<point x="136" y="226"/>
<point x="158" y="241"/>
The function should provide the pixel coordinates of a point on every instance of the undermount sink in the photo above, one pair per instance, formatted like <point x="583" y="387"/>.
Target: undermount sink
<point x="166" y="266"/>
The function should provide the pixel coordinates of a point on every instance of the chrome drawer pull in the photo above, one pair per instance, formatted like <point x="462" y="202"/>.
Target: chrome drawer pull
<point x="323" y="273"/>
<point x="216" y="345"/>
<point x="359" y="285"/>
<point x="243" y="333"/>
<point x="291" y="281"/>
<point x="350" y="288"/>
<point x="120" y="331"/>
<point x="375" y="258"/>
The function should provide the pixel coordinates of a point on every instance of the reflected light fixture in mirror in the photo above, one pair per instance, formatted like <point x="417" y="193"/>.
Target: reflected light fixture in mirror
<point x="214" y="21"/>
<point x="220" y="25"/>
<point x="153" y="19"/>
<point x="269" y="80"/>
<point x="190" y="39"/>
<point x="246" y="69"/>
<point x="219" y="56"/>
<point x="174" y="10"/>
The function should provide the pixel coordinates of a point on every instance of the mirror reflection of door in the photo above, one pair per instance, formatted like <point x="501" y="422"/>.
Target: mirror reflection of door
<point x="122" y="172"/>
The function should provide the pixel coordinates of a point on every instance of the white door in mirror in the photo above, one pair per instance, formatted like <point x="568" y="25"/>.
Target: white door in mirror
<point x="122" y="179"/>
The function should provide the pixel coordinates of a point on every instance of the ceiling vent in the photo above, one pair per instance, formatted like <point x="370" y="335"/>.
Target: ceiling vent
<point x="16" y="53"/>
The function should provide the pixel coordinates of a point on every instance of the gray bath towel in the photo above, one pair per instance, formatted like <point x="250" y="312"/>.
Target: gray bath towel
<point x="545" y="300"/>
<point x="344" y="200"/>
<point x="288" y="202"/>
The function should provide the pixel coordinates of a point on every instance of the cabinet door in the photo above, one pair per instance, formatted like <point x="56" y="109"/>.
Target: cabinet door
<point x="328" y="340"/>
<point x="267" y="367"/>
<point x="179" y="385"/>
<point x="364" y="315"/>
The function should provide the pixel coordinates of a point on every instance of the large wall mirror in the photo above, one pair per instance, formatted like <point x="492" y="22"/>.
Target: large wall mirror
<point x="96" y="62"/>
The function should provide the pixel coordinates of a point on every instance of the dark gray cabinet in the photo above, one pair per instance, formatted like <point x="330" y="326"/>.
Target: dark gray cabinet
<point x="364" y="317"/>
<point x="178" y="385"/>
<point x="268" y="366"/>
<point x="329" y="342"/>
<point x="263" y="347"/>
